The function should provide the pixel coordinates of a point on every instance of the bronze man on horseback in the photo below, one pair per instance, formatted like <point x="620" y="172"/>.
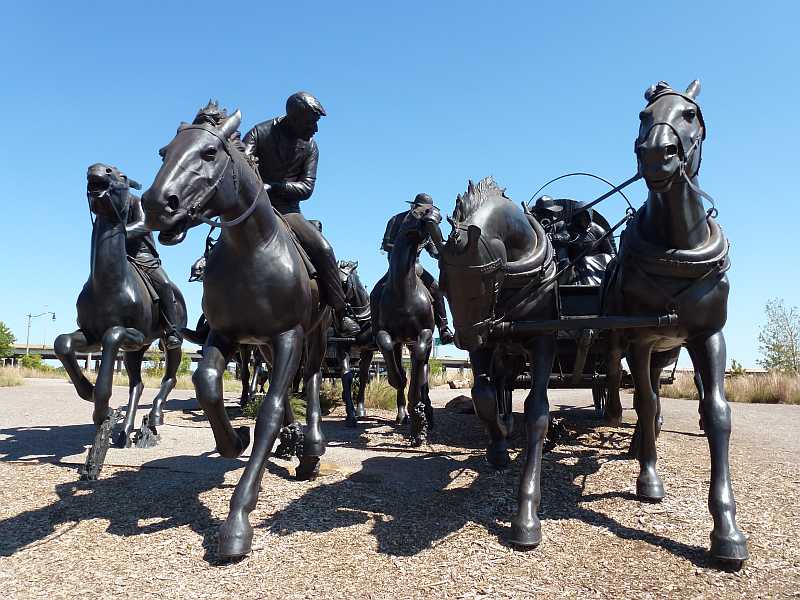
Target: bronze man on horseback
<point x="287" y="162"/>
<point x="141" y="249"/>
<point x="392" y="227"/>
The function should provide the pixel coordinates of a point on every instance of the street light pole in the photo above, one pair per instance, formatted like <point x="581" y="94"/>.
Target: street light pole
<point x="28" y="334"/>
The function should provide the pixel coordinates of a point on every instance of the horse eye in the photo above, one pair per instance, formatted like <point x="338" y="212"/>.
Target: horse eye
<point x="209" y="153"/>
<point x="689" y="114"/>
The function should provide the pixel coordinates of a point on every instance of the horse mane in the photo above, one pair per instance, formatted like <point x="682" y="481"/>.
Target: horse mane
<point x="213" y="114"/>
<point x="475" y="196"/>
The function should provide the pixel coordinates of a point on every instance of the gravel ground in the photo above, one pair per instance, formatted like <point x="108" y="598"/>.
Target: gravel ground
<point x="387" y="521"/>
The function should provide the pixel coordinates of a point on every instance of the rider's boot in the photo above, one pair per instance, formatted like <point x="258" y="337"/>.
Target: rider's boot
<point x="440" y="314"/>
<point x="172" y="339"/>
<point x="344" y="324"/>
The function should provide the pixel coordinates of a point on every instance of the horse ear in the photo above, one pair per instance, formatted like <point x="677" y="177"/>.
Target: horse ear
<point x="231" y="124"/>
<point x="694" y="89"/>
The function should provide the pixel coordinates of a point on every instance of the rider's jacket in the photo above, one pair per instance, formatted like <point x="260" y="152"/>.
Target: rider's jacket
<point x="139" y="242"/>
<point x="393" y="226"/>
<point x="288" y="164"/>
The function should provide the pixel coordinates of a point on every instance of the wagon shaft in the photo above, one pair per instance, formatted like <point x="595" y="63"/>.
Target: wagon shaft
<point x="505" y="331"/>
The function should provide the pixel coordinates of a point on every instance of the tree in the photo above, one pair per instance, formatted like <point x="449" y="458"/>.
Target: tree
<point x="780" y="338"/>
<point x="7" y="340"/>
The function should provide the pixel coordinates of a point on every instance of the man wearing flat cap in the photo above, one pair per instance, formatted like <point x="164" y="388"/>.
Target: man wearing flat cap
<point x="439" y="311"/>
<point x="287" y="158"/>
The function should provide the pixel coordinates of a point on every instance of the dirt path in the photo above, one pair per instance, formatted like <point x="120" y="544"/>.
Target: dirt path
<point x="387" y="521"/>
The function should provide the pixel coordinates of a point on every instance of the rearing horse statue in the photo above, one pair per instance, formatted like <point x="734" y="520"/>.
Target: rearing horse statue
<point x="674" y="256"/>
<point x="256" y="290"/>
<point x="115" y="312"/>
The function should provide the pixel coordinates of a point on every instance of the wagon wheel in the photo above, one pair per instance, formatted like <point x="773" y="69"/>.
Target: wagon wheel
<point x="600" y="396"/>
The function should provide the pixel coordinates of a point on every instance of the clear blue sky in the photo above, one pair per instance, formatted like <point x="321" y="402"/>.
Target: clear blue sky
<point x="421" y="96"/>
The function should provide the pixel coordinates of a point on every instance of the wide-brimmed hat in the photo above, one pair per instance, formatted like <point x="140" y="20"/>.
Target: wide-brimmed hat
<point x="548" y="204"/>
<point x="421" y="199"/>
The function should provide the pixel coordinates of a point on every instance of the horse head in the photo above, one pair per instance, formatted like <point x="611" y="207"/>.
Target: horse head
<point x="471" y="264"/>
<point x="199" y="161"/>
<point x="107" y="189"/>
<point x="671" y="132"/>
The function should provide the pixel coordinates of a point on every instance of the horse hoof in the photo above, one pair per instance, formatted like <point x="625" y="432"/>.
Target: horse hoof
<point x="235" y="539"/>
<point x="120" y="439"/>
<point x="730" y="549"/>
<point x="156" y="419"/>
<point x="526" y="535"/>
<point x="313" y="447"/>
<point x="497" y="456"/>
<point x="351" y="421"/>
<point x="401" y="420"/>
<point x="612" y="421"/>
<point x="650" y="489"/>
<point x="308" y="469"/>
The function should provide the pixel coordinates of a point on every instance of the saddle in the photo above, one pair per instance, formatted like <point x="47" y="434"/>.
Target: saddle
<point x="312" y="271"/>
<point x="141" y="271"/>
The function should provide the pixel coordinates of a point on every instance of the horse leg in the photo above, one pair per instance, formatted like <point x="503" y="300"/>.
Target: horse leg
<point x="244" y="372"/>
<point x="727" y="540"/>
<point x="207" y="379"/>
<point x="698" y="384"/>
<point x="648" y="484"/>
<point x="655" y="382"/>
<point x="133" y="365"/>
<point x="400" y="399"/>
<point x="613" y="410"/>
<point x="313" y="439"/>
<point x="393" y="369"/>
<point x="416" y="391"/>
<point x="168" y="382"/>
<point x="484" y="398"/>
<point x="347" y="389"/>
<point x="113" y="340"/>
<point x="236" y="533"/>
<point x="65" y="346"/>
<point x="526" y="529"/>
<point x="364" y="362"/>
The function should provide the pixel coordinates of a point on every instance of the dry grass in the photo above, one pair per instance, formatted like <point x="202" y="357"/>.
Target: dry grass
<point x="9" y="377"/>
<point x="761" y="388"/>
<point x="184" y="382"/>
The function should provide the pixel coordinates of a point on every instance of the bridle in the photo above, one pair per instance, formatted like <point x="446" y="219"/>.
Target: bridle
<point x="687" y="146"/>
<point x="197" y="207"/>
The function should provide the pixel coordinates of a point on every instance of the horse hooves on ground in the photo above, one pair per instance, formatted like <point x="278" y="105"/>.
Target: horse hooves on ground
<point x="308" y="469"/>
<point x="234" y="545"/>
<point x="730" y="553"/>
<point x="525" y="539"/>
<point x="497" y="456"/>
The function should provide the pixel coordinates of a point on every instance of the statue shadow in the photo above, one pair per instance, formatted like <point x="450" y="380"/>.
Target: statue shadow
<point x="413" y="503"/>
<point x="134" y="502"/>
<point x="44" y="443"/>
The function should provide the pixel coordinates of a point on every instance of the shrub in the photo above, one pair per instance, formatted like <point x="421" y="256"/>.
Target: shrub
<point x="7" y="340"/>
<point x="34" y="361"/>
<point x="186" y="363"/>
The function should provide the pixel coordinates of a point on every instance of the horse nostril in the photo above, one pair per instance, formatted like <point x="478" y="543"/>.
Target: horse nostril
<point x="671" y="150"/>
<point x="173" y="202"/>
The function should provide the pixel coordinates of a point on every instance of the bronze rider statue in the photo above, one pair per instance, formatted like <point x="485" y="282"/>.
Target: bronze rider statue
<point x="439" y="311"/>
<point x="141" y="249"/>
<point x="287" y="162"/>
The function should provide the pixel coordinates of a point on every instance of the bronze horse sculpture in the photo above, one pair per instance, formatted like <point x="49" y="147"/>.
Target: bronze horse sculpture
<point x="116" y="312"/>
<point x="493" y="257"/>
<point x="256" y="290"/>
<point x="402" y="314"/>
<point x="674" y="256"/>
<point x="363" y="344"/>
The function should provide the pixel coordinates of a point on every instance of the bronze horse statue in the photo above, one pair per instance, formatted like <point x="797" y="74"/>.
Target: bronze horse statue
<point x="674" y="257"/>
<point x="363" y="344"/>
<point x="402" y="314"/>
<point x="256" y="290"/>
<point x="116" y="311"/>
<point x="495" y="255"/>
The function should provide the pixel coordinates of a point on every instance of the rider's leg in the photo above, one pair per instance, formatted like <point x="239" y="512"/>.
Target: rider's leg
<point x="321" y="254"/>
<point x="439" y="310"/>
<point x="166" y="296"/>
